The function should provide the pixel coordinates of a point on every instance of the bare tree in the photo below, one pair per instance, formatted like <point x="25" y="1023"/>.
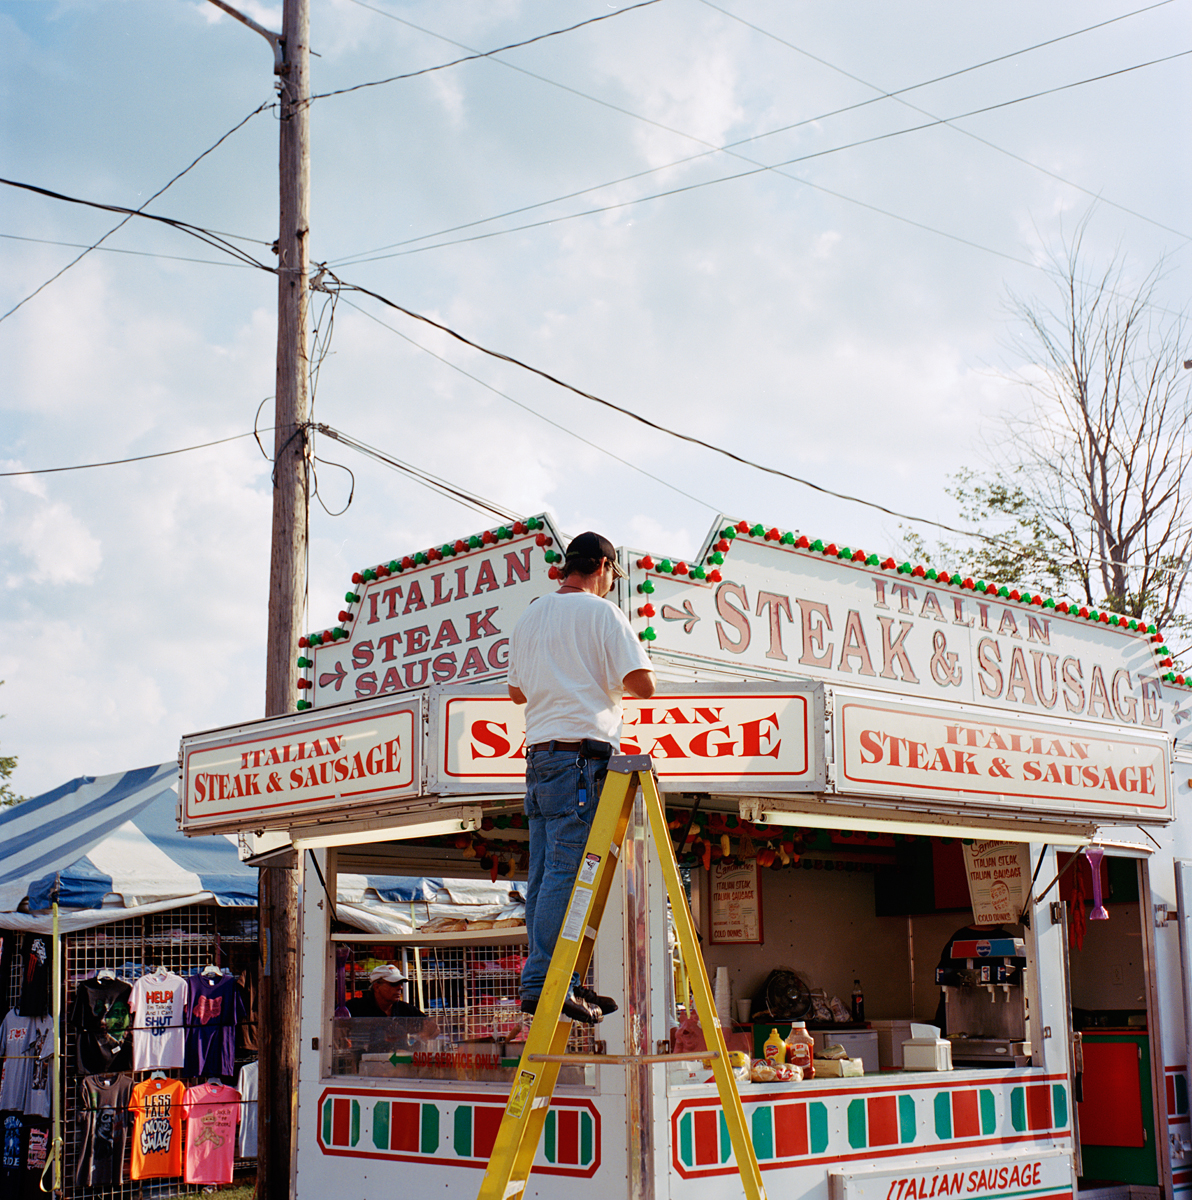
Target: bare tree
<point x="1091" y="487"/>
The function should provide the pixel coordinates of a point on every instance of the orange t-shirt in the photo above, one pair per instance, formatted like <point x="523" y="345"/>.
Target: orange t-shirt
<point x="156" y="1105"/>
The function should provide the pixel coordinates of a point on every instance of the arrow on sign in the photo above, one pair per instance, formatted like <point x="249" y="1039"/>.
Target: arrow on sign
<point x="687" y="615"/>
<point x="333" y="677"/>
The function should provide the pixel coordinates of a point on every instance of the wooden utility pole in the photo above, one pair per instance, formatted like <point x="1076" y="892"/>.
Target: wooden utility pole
<point x="279" y="894"/>
<point x="278" y="888"/>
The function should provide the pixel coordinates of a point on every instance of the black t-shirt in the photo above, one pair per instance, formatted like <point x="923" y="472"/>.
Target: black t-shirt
<point x="384" y="1031"/>
<point x="101" y="1013"/>
<point x="104" y="1104"/>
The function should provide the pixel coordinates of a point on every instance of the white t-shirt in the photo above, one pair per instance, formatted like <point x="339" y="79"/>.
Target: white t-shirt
<point x="158" y="1012"/>
<point x="247" y="1084"/>
<point x="569" y="654"/>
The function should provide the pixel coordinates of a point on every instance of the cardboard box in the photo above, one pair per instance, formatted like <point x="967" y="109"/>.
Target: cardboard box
<point x="890" y="1036"/>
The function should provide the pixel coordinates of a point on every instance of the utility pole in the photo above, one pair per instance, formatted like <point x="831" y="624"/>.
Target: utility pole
<point x="278" y="889"/>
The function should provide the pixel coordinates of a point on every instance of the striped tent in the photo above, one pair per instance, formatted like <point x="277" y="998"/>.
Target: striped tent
<point x="105" y="845"/>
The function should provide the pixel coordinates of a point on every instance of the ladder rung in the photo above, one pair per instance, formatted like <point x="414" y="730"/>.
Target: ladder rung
<point x="626" y="1059"/>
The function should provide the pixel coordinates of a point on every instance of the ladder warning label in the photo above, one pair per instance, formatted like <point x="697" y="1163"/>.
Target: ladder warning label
<point x="577" y="910"/>
<point x="522" y="1094"/>
<point x="589" y="867"/>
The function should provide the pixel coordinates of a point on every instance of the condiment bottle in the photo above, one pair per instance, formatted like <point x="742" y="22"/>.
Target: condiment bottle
<point x="800" y="1049"/>
<point x="774" y="1048"/>
<point x="858" y="1003"/>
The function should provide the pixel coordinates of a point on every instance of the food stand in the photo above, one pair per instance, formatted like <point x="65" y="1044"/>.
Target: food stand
<point x="831" y="730"/>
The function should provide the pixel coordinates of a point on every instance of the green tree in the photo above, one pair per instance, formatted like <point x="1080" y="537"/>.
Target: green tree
<point x="1088" y="492"/>
<point x="8" y="764"/>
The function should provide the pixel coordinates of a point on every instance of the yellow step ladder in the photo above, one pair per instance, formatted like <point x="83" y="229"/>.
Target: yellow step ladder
<point x="537" y="1073"/>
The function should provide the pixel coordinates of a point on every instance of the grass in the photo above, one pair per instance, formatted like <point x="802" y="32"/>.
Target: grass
<point x="236" y="1191"/>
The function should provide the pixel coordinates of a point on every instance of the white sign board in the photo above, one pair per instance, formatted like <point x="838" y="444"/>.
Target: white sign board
<point x="769" y="609"/>
<point x="999" y="875"/>
<point x="287" y="771"/>
<point x="1031" y="1172"/>
<point x="730" y="739"/>
<point x="925" y="754"/>
<point x="444" y="619"/>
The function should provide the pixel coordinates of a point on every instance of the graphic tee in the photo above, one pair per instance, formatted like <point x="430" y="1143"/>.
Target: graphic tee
<point x="35" y="1153"/>
<point x="105" y="1115"/>
<point x="11" y="1127"/>
<point x="102" y="1013"/>
<point x="214" y="1007"/>
<point x="158" y="1010"/>
<point x="156" y="1107"/>
<point x="23" y="1042"/>
<point x="247" y="1084"/>
<point x="211" y="1110"/>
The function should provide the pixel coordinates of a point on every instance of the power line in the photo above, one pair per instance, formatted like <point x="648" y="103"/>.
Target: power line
<point x="116" y="462"/>
<point x="209" y="262"/>
<point x="131" y="212"/>
<point x="365" y="256"/>
<point x="534" y="412"/>
<point x="469" y="57"/>
<point x="897" y="95"/>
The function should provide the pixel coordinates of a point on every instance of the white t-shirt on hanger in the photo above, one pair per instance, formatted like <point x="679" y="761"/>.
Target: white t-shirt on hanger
<point x="158" y="1033"/>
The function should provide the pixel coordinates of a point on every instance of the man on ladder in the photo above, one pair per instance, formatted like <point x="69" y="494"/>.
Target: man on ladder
<point x="572" y="657"/>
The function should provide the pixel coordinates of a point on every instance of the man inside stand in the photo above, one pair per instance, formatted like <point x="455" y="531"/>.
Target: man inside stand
<point x="392" y="1021"/>
<point x="572" y="657"/>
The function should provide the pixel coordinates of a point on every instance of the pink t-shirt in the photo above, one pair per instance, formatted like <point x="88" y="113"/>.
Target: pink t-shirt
<point x="211" y="1110"/>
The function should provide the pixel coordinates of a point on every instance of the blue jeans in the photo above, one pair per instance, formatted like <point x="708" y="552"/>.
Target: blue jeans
<point x="562" y="791"/>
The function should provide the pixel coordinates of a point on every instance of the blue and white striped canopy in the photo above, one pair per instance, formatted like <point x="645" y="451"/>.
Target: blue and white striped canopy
<point x="113" y="840"/>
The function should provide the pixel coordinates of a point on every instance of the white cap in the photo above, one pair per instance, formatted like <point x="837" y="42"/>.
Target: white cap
<point x="389" y="973"/>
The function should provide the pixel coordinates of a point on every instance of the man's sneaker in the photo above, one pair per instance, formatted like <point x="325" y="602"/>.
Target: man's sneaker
<point x="606" y="1004"/>
<point x="573" y="1007"/>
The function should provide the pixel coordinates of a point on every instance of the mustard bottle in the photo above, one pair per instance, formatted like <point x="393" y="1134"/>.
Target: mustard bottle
<point x="774" y="1048"/>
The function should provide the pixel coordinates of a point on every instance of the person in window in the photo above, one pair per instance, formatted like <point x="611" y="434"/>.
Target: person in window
<point x="382" y="1020"/>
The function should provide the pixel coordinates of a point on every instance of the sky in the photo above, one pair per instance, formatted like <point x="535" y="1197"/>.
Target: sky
<point x="714" y="215"/>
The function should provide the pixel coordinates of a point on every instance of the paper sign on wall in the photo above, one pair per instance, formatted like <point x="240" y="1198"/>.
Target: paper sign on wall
<point x="736" y="903"/>
<point x="999" y="876"/>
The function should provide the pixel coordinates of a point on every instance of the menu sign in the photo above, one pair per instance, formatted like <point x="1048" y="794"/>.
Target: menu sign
<point x="999" y="876"/>
<point x="770" y="609"/>
<point x="733" y="738"/>
<point x="736" y="893"/>
<point x="923" y="754"/>
<point x="446" y="618"/>
<point x="286" y="771"/>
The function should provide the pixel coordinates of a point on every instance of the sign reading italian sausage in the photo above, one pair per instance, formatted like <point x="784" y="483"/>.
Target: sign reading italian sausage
<point x="282" y="772"/>
<point x="731" y="739"/>
<point x="921" y="753"/>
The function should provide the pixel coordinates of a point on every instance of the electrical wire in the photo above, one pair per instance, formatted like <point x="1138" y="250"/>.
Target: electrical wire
<point x="433" y="482"/>
<point x="534" y="412"/>
<point x="209" y="262"/>
<point x="777" y="168"/>
<point x="207" y="236"/>
<point x="131" y="212"/>
<point x="115" y="462"/>
<point x="477" y="54"/>
<point x="365" y="256"/>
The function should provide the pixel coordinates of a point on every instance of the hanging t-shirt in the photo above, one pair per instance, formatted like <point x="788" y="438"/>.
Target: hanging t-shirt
<point x="214" y="1007"/>
<point x="40" y="1099"/>
<point x="35" y="1153"/>
<point x="22" y="1042"/>
<point x="102" y="1013"/>
<point x="247" y="1084"/>
<point x="104" y="1103"/>
<point x="156" y="1107"/>
<point x="211" y="1110"/>
<point x="158" y="1010"/>
<point x="11" y="1132"/>
<point x="35" y="985"/>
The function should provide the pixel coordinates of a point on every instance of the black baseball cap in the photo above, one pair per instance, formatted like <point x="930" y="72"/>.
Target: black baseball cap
<point x="593" y="547"/>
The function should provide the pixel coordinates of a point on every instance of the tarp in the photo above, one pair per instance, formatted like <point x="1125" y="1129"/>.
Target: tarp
<point x="111" y="847"/>
<point x="107" y="844"/>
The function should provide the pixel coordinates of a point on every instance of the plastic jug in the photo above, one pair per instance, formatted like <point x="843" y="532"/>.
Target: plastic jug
<point x="800" y="1049"/>
<point x="774" y="1048"/>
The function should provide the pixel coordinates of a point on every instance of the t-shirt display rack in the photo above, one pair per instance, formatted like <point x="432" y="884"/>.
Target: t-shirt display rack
<point x="183" y="940"/>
